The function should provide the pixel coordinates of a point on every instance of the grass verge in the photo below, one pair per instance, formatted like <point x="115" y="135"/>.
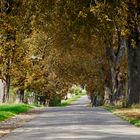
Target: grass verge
<point x="7" y="111"/>
<point x="71" y="100"/>
<point x="132" y="114"/>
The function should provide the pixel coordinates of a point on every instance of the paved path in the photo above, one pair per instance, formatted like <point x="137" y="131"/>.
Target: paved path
<point x="76" y="122"/>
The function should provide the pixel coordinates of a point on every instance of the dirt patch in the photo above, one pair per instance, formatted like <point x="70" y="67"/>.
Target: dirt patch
<point x="8" y="125"/>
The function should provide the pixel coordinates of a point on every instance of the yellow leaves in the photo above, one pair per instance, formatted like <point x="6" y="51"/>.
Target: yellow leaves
<point x="33" y="20"/>
<point x="93" y="10"/>
<point x="97" y="8"/>
<point x="82" y="14"/>
<point x="125" y="32"/>
<point x="52" y="76"/>
<point x="74" y="36"/>
<point x="70" y="43"/>
<point x="29" y="80"/>
<point x="133" y="43"/>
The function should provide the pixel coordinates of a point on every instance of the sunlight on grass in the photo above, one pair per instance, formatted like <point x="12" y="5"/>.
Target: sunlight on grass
<point x="71" y="100"/>
<point x="7" y="111"/>
<point x="5" y="115"/>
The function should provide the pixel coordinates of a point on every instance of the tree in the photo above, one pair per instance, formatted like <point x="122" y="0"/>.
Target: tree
<point x="73" y="42"/>
<point x="133" y="46"/>
<point x="7" y="45"/>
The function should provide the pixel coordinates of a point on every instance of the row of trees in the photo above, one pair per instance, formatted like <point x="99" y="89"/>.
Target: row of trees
<point x="47" y="46"/>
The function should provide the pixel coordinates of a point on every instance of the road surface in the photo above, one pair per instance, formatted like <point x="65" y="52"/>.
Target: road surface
<point x="76" y="122"/>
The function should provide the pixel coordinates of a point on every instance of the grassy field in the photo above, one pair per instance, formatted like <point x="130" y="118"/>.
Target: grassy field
<point x="132" y="114"/>
<point x="7" y="111"/>
<point x="71" y="100"/>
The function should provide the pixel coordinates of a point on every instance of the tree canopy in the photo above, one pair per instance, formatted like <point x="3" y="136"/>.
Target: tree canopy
<point x="47" y="46"/>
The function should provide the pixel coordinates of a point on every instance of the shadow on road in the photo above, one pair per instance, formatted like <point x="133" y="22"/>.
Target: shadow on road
<point x="76" y="122"/>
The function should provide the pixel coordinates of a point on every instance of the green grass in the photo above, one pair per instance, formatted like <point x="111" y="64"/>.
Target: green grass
<point x="7" y="111"/>
<point x="132" y="114"/>
<point x="136" y="122"/>
<point x="71" y="100"/>
<point x="111" y="108"/>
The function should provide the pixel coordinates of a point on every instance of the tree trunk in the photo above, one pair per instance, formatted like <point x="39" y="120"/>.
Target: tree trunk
<point x="115" y="57"/>
<point x="133" y="74"/>
<point x="133" y="46"/>
<point x="112" y="65"/>
<point x="21" y="99"/>
<point x="20" y="96"/>
<point x="6" y="88"/>
<point x="36" y="98"/>
<point x="107" y="94"/>
<point x="1" y="90"/>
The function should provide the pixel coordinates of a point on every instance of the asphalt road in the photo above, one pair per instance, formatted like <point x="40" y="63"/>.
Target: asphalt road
<point x="76" y="122"/>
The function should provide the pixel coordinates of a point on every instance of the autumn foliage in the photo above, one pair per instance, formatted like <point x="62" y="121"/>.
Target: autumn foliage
<point x="47" y="46"/>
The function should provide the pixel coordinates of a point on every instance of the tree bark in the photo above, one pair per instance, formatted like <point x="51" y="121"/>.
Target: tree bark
<point x="133" y="46"/>
<point x="21" y="96"/>
<point x="6" y="88"/>
<point x="107" y="99"/>
<point x="133" y="74"/>
<point x="1" y="91"/>
<point x="114" y="62"/>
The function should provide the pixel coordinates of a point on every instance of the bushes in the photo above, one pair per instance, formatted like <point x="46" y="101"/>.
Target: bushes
<point x="55" y="100"/>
